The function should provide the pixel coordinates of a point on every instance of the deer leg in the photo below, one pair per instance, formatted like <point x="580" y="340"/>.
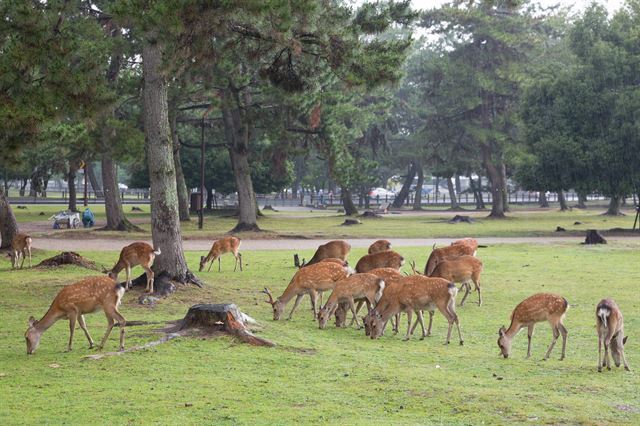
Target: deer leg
<point x="128" y="272"/>
<point x="564" y="332"/>
<point x="529" y="336"/>
<point x="314" y="300"/>
<point x="396" y="326"/>
<point x="72" y="328"/>
<point x="621" y="349"/>
<point x="150" y="279"/>
<point x="431" y="314"/>
<point x="23" y="257"/>
<point x="421" y="320"/>
<point x="358" y="307"/>
<point x="122" y="323"/>
<point x="556" y="334"/>
<point x="466" y="293"/>
<point x="295" y="305"/>
<point x="110" y="323"/>
<point x="409" y="315"/>
<point x="29" y="250"/>
<point x="600" y="361"/>
<point x="354" y="311"/>
<point x="83" y="326"/>
<point x="477" y="283"/>
<point x="240" y="260"/>
<point x="211" y="264"/>
<point x="219" y="261"/>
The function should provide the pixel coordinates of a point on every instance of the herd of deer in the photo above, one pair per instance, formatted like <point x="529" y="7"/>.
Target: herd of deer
<point x="376" y="282"/>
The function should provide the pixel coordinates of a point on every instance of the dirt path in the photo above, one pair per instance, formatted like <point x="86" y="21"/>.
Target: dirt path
<point x="294" y="244"/>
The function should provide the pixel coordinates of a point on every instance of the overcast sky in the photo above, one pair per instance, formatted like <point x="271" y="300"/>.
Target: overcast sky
<point x="577" y="5"/>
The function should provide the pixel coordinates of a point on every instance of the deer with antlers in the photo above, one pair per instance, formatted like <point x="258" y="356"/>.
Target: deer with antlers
<point x="537" y="308"/>
<point x="20" y="247"/>
<point x="610" y="327"/>
<point x="75" y="300"/>
<point x="309" y="280"/>
<point x="132" y="255"/>
<point x="220" y="247"/>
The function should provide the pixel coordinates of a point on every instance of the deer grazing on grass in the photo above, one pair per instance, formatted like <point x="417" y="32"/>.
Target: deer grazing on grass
<point x="20" y="247"/>
<point x="132" y="255"/>
<point x="308" y="280"/>
<point x="440" y="254"/>
<point x="537" y="308"/>
<point x="610" y="327"/>
<point x="413" y="294"/>
<point x="75" y="300"/>
<point x="368" y="287"/>
<point x="464" y="270"/>
<point x="337" y="249"/>
<point x="379" y="246"/>
<point x="385" y="259"/>
<point x="220" y="247"/>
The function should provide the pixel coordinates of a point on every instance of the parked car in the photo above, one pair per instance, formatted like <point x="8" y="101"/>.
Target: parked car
<point x="382" y="192"/>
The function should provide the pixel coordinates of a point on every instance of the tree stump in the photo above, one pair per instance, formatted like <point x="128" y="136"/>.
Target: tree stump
<point x="350" y="222"/>
<point x="371" y="214"/>
<point x="269" y="207"/>
<point x="221" y="318"/>
<point x="459" y="218"/>
<point x="594" y="237"/>
<point x="296" y="261"/>
<point x="67" y="258"/>
<point x="162" y="283"/>
<point x="560" y="229"/>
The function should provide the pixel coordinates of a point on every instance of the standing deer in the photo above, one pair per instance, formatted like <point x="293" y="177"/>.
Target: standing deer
<point x="308" y="280"/>
<point x="220" y="247"/>
<point x="610" y="327"/>
<point x="462" y="269"/>
<point x="385" y="259"/>
<point x="132" y="255"/>
<point x="379" y="246"/>
<point x="337" y="249"/>
<point x="75" y="300"/>
<point x="471" y="242"/>
<point x="537" y="308"/>
<point x="416" y="293"/>
<point x="367" y="287"/>
<point x="20" y="247"/>
<point x="440" y="254"/>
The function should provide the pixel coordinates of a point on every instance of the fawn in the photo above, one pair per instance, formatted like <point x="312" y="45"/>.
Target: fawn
<point x="136" y="254"/>
<point x="20" y="247"/>
<point x="610" y="327"/>
<point x="385" y="259"/>
<point x="220" y="247"/>
<point x="379" y="246"/>
<point x="333" y="249"/>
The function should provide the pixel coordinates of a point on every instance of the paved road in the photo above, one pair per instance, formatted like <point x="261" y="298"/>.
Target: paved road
<point x="301" y="244"/>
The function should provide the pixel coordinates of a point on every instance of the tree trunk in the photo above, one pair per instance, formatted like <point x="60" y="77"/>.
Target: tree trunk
<point x="505" y="188"/>
<point x="480" y="195"/>
<point x="181" y="185"/>
<point x="8" y="223"/>
<point x="458" y="186"/>
<point x="563" y="201"/>
<point x="406" y="186"/>
<point x="95" y="185"/>
<point x="299" y="170"/>
<point x="542" y="199"/>
<point x="582" y="200"/>
<point x="116" y="220"/>
<point x="417" y="201"/>
<point x="452" y="194"/>
<point x="22" y="187"/>
<point x="477" y="192"/>
<point x="165" y="221"/>
<point x="209" y="202"/>
<point x="494" y="175"/>
<point x="349" y="208"/>
<point x="614" y="206"/>
<point x="71" y="182"/>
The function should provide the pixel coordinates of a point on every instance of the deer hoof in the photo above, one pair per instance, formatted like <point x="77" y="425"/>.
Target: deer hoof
<point x="461" y="342"/>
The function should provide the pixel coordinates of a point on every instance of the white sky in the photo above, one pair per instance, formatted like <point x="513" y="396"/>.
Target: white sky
<point x="576" y="5"/>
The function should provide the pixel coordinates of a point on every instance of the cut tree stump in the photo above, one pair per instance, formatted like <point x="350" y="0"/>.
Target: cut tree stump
<point x="67" y="258"/>
<point x="594" y="237"/>
<point x="459" y="218"/>
<point x="350" y="222"/>
<point x="221" y="318"/>
<point x="560" y="229"/>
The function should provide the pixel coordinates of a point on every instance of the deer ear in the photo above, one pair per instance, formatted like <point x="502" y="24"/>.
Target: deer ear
<point x="32" y="321"/>
<point x="501" y="331"/>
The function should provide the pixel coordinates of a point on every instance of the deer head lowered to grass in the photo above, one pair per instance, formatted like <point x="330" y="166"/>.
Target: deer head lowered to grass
<point x="220" y="247"/>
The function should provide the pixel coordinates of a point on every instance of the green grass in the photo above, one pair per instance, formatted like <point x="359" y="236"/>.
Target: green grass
<point x="326" y="224"/>
<point x="333" y="375"/>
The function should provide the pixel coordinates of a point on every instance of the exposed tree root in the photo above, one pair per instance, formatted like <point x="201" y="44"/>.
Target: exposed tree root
<point x="67" y="258"/>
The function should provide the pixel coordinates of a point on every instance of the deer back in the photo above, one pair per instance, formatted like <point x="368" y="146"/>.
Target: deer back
<point x="439" y="254"/>
<point x="225" y="245"/>
<point x="379" y="246"/>
<point x="458" y="268"/>
<point x="21" y="241"/>
<point x="337" y="249"/>
<point x="540" y="307"/>
<point x="386" y="259"/>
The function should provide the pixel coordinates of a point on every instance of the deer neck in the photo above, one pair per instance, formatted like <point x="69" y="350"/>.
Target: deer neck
<point x="513" y="329"/>
<point x="388" y="310"/>
<point x="289" y="293"/>
<point x="48" y="320"/>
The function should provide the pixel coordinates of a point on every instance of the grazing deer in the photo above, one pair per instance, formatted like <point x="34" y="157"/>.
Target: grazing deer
<point x="308" y="280"/>
<point x="439" y="254"/>
<point x="368" y="287"/>
<point x="385" y="259"/>
<point x="415" y="293"/>
<point x="132" y="255"/>
<point x="220" y="247"/>
<point x="20" y="247"/>
<point x="463" y="269"/>
<point x="537" y="308"/>
<point x="337" y="249"/>
<point x="470" y="242"/>
<point x="610" y="327"/>
<point x="75" y="300"/>
<point x="379" y="246"/>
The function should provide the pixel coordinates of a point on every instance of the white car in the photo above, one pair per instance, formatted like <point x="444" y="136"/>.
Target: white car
<point x="374" y="192"/>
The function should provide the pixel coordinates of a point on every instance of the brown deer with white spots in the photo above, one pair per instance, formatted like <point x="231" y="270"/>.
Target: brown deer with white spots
<point x="20" y="247"/>
<point x="133" y="255"/>
<point x="379" y="246"/>
<point x="367" y="287"/>
<point x="470" y="242"/>
<point x="337" y="249"/>
<point x="462" y="269"/>
<point x="442" y="253"/>
<point x="537" y="308"/>
<point x="75" y="300"/>
<point x="220" y="247"/>
<point x="610" y="327"/>
<point x="385" y="259"/>
<point x="309" y="280"/>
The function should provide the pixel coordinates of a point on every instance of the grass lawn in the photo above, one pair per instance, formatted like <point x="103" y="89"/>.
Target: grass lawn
<point x="333" y="375"/>
<point x="326" y="224"/>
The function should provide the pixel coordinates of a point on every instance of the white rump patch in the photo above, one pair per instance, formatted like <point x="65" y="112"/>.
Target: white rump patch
<point x="453" y="291"/>
<point x="604" y="313"/>
<point x="157" y="252"/>
<point x="350" y="270"/>
<point x="381" y="286"/>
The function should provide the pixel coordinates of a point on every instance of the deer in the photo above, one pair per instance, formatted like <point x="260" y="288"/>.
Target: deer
<point x="610" y="327"/>
<point x="462" y="269"/>
<point x="75" y="300"/>
<point x="439" y="254"/>
<point x="333" y="249"/>
<point x="385" y="259"/>
<point x="134" y="254"/>
<point x="220" y="247"/>
<point x="20" y="247"/>
<point x="308" y="280"/>
<point x="368" y="287"/>
<point x="415" y="293"/>
<point x="379" y="246"/>
<point x="534" y="309"/>
<point x="471" y="242"/>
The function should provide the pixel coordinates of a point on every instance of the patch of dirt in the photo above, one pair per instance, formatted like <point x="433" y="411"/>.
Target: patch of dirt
<point x="302" y="351"/>
<point x="627" y="408"/>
